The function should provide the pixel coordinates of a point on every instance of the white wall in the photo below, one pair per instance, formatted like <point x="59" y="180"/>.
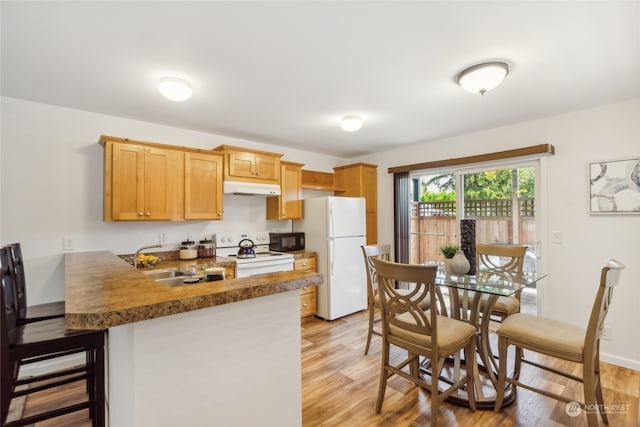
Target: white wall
<point x="605" y="133"/>
<point x="51" y="187"/>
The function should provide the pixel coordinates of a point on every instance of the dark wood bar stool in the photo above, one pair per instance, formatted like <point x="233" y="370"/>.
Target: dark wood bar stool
<point x="26" y="313"/>
<point x="26" y="343"/>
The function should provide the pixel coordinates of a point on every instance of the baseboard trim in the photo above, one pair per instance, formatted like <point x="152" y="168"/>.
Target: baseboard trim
<point x="620" y="361"/>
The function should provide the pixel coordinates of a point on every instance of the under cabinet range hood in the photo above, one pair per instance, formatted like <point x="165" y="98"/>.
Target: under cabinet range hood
<point x="251" y="188"/>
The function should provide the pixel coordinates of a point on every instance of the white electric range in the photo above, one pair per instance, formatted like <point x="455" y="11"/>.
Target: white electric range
<point x="265" y="261"/>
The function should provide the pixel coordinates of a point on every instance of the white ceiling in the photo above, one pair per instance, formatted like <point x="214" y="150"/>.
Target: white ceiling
<point x="284" y="72"/>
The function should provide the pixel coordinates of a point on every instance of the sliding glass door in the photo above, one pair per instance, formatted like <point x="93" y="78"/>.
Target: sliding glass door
<point x="500" y="198"/>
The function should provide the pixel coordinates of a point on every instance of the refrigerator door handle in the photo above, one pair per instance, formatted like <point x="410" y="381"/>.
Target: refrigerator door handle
<point x="331" y="221"/>
<point x="332" y="236"/>
<point x="333" y="254"/>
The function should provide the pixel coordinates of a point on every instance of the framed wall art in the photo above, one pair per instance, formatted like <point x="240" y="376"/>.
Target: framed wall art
<point x="614" y="187"/>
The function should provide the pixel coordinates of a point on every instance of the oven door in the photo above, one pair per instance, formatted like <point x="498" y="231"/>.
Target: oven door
<point x="270" y="265"/>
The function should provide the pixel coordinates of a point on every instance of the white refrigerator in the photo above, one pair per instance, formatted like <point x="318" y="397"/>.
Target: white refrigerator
<point x="335" y="228"/>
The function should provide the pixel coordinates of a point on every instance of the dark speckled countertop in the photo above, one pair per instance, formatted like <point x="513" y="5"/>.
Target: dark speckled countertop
<point x="102" y="290"/>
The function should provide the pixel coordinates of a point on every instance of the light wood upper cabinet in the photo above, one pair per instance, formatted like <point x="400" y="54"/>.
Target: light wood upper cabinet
<point x="288" y="205"/>
<point x="243" y="164"/>
<point x="202" y="186"/>
<point x="149" y="181"/>
<point x="124" y="184"/>
<point x="143" y="183"/>
<point x="361" y="180"/>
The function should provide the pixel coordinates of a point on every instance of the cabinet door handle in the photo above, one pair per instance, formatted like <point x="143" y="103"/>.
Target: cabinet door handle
<point x="304" y="264"/>
<point x="140" y="214"/>
<point x="148" y="213"/>
<point x="306" y="304"/>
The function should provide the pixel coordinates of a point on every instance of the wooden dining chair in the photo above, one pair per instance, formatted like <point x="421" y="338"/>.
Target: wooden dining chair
<point x="422" y="333"/>
<point x="36" y="342"/>
<point x="508" y="259"/>
<point x="382" y="251"/>
<point x="563" y="341"/>
<point x="29" y="313"/>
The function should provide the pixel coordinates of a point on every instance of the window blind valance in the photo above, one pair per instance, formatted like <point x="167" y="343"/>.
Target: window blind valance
<point x="479" y="158"/>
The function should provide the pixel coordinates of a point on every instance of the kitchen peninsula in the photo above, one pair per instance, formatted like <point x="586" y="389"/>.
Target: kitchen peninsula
<point x="217" y="353"/>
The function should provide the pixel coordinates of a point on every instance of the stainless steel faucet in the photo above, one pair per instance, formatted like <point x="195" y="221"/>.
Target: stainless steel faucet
<point x="135" y="257"/>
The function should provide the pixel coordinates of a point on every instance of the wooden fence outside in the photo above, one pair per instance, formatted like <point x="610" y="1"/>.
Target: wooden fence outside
<point x="434" y="224"/>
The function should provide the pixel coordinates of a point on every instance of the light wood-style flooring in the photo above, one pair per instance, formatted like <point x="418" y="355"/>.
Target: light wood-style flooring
<point x="340" y="385"/>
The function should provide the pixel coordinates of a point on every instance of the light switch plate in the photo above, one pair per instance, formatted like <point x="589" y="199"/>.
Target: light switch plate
<point x="556" y="237"/>
<point x="67" y="244"/>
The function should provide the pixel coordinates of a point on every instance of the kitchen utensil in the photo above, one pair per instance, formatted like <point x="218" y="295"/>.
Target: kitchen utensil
<point x="246" y="249"/>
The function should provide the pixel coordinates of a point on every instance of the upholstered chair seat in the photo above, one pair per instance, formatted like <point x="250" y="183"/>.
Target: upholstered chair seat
<point x="503" y="306"/>
<point x="452" y="334"/>
<point x="546" y="336"/>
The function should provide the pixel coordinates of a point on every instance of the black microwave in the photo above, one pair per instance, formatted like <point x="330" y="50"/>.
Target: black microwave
<point x="284" y="242"/>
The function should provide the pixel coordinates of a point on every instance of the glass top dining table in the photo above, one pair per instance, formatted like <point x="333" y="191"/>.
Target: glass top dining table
<point x="469" y="297"/>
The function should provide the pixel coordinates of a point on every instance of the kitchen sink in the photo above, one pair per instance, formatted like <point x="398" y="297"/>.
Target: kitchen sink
<point x="168" y="273"/>
<point x="173" y="277"/>
<point x="173" y="282"/>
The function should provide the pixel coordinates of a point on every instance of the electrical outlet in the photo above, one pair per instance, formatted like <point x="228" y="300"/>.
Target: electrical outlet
<point x="162" y="238"/>
<point x="189" y="236"/>
<point x="556" y="237"/>
<point x="606" y="333"/>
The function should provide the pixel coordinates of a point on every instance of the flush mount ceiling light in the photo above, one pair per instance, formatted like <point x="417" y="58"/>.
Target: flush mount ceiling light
<point x="175" y="89"/>
<point x="351" y="123"/>
<point x="483" y="77"/>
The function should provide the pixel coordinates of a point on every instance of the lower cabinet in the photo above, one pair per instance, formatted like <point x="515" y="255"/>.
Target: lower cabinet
<point x="307" y="294"/>
<point x="229" y="272"/>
